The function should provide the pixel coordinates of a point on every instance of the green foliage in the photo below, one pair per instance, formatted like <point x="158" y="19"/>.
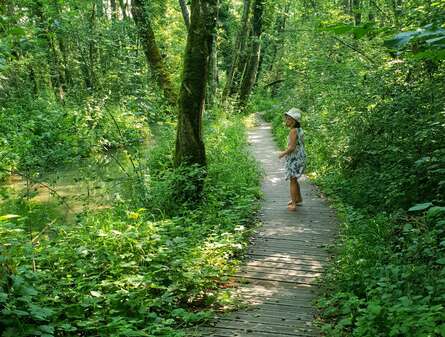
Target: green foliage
<point x="388" y="278"/>
<point x="135" y="272"/>
<point x="374" y="125"/>
<point x="43" y="135"/>
<point x="426" y="43"/>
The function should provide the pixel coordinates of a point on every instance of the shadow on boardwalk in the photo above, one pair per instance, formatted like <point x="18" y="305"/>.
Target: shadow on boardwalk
<point x="278" y="281"/>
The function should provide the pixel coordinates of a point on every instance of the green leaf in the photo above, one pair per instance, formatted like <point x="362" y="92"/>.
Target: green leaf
<point x="407" y="227"/>
<point x="441" y="261"/>
<point x="96" y="293"/>
<point x="47" y="328"/>
<point x="17" y="31"/>
<point x="400" y="40"/>
<point x="374" y="308"/>
<point x="3" y="297"/>
<point x="338" y="29"/>
<point x="434" y="212"/>
<point x="420" y="207"/>
<point x="9" y="217"/>
<point x="434" y="42"/>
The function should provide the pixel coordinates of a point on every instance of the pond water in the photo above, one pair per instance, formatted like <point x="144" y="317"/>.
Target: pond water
<point x="89" y="185"/>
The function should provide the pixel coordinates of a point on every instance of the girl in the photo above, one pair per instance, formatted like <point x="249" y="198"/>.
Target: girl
<point x="295" y="156"/>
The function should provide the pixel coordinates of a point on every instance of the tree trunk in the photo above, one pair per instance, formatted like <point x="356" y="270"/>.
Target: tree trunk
<point x="213" y="67"/>
<point x="396" y="6"/>
<point x="356" y="11"/>
<point x="99" y="8"/>
<point x="57" y="76"/>
<point x="280" y="26"/>
<point x="252" y="66"/>
<point x="189" y="142"/>
<point x="151" y="50"/>
<point x="63" y="49"/>
<point x="185" y="13"/>
<point x="240" y="45"/>
<point x="123" y="8"/>
<point x="113" y="9"/>
<point x="92" y="52"/>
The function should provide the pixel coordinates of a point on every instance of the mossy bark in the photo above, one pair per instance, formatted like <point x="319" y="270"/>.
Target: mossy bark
<point x="151" y="50"/>
<point x="189" y="141"/>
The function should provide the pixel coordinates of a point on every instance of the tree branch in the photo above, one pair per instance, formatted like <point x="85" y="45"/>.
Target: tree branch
<point x="185" y="13"/>
<point x="354" y="49"/>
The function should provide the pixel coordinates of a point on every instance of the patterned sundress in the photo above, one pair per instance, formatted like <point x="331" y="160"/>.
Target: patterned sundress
<point x="296" y="160"/>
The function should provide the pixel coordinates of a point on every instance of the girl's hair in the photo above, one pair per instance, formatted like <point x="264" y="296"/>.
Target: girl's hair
<point x="297" y="123"/>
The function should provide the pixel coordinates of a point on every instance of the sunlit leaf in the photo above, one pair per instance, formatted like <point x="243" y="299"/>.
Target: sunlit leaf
<point x="9" y="217"/>
<point x="420" y="207"/>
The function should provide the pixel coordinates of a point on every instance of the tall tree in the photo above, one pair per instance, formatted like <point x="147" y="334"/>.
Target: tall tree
<point x="250" y="73"/>
<point x="151" y="50"/>
<point x="57" y="75"/>
<point x="189" y="142"/>
<point x="239" y="49"/>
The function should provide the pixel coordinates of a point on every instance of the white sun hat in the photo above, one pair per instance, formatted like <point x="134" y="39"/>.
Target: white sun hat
<point x="295" y="113"/>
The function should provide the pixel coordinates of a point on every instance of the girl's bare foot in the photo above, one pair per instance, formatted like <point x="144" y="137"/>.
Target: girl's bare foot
<point x="298" y="203"/>
<point x="292" y="208"/>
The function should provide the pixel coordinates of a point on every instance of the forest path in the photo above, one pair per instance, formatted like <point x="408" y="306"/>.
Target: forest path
<point x="278" y="281"/>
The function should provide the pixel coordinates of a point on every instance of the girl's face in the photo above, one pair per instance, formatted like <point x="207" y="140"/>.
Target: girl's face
<point x="289" y="121"/>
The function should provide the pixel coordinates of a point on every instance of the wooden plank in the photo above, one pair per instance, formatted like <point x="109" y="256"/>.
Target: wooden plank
<point x="275" y="286"/>
<point x="295" y="265"/>
<point x="283" y="243"/>
<point x="296" y="256"/>
<point x="252" y="327"/>
<point x="277" y="311"/>
<point x="283" y="246"/>
<point x="222" y="332"/>
<point x="293" y="228"/>
<point x="285" y="304"/>
<point x="307" y="240"/>
<point x="286" y="258"/>
<point x="269" y="318"/>
<point x="279" y="278"/>
<point x="287" y="272"/>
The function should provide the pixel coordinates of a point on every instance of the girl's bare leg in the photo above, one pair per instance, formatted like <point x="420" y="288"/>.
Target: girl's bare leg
<point x="295" y="194"/>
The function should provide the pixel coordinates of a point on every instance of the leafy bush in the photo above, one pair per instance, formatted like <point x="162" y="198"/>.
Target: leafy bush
<point x="40" y="134"/>
<point x="374" y="138"/>
<point x="388" y="279"/>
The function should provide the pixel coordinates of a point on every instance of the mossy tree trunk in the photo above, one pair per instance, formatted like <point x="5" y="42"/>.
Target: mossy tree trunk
<point x="250" y="73"/>
<point x="151" y="50"/>
<point x="189" y="141"/>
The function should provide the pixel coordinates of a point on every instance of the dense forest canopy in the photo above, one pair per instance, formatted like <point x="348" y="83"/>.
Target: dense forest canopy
<point x="127" y="191"/>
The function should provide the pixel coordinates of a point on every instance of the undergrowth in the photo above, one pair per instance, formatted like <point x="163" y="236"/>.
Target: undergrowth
<point x="388" y="275"/>
<point x="145" y="267"/>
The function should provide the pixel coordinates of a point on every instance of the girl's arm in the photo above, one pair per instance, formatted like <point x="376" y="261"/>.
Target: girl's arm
<point x="292" y="143"/>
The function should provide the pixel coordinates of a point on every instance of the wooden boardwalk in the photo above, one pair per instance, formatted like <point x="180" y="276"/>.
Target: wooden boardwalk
<point x="279" y="279"/>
